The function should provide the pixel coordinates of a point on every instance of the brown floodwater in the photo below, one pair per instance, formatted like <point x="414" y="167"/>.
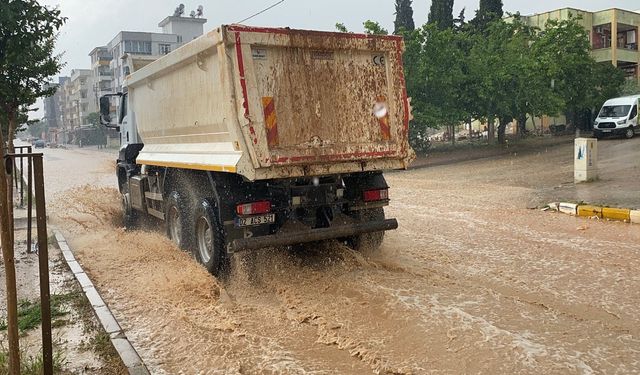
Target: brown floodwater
<point x="471" y="282"/>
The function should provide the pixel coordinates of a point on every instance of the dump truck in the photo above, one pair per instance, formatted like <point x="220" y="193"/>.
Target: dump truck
<point x="248" y="137"/>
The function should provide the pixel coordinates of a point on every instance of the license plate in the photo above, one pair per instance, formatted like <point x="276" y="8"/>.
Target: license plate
<point x="255" y="220"/>
<point x="607" y="131"/>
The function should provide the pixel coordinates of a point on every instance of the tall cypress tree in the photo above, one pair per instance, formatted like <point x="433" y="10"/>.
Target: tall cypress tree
<point x="404" y="17"/>
<point x="441" y="14"/>
<point x="489" y="10"/>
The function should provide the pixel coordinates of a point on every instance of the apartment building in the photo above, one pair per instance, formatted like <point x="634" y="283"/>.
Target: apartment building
<point x="101" y="70"/>
<point x="185" y="28"/>
<point x="146" y="45"/>
<point x="78" y="95"/>
<point x="52" y="104"/>
<point x="79" y="100"/>
<point x="135" y="44"/>
<point x="613" y="34"/>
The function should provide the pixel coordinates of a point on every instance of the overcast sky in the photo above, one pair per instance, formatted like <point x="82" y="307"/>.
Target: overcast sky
<point x="93" y="23"/>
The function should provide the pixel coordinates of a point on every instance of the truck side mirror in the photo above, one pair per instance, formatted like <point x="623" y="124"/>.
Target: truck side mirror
<point x="105" y="117"/>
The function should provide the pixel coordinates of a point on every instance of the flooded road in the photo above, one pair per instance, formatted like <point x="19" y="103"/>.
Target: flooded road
<point x="471" y="282"/>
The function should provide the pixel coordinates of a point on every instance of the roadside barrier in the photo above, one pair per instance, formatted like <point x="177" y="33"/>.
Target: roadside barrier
<point x="626" y="215"/>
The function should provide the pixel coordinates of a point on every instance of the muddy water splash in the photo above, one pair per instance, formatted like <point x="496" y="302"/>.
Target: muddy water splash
<point x="173" y="311"/>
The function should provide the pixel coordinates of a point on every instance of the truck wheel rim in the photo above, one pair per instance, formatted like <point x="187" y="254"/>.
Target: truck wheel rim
<point x="629" y="133"/>
<point x="205" y="240"/>
<point x="174" y="225"/>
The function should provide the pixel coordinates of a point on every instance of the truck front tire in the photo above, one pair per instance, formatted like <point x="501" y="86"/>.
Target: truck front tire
<point x="368" y="243"/>
<point x="209" y="248"/>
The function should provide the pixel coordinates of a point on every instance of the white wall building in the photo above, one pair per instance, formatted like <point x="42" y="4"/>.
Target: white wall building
<point x="186" y="28"/>
<point x="79" y="98"/>
<point x="176" y="32"/>
<point x="102" y="74"/>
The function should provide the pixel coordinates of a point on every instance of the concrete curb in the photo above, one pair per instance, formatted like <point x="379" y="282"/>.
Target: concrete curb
<point x="120" y="342"/>
<point x="626" y="215"/>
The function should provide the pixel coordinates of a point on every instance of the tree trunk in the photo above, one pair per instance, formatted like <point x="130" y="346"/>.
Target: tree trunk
<point x="491" y="129"/>
<point x="6" y="238"/>
<point x="522" y="125"/>
<point x="453" y="134"/>
<point x="12" y="115"/>
<point x="533" y="121"/>
<point x="501" y="131"/>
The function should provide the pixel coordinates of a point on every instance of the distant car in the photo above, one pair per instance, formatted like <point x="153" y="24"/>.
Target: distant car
<point x="618" y="116"/>
<point x="39" y="143"/>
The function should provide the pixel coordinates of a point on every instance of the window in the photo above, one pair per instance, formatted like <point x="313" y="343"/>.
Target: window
<point x="634" y="112"/>
<point x="137" y="46"/>
<point x="614" y="111"/>
<point x="164" y="48"/>
<point x="104" y="71"/>
<point x="179" y="38"/>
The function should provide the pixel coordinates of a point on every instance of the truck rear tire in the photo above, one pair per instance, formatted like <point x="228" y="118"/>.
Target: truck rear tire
<point x="209" y="248"/>
<point x="368" y="243"/>
<point x="176" y="218"/>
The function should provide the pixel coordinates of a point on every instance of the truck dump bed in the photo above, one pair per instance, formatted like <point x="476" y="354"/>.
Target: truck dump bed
<point x="272" y="103"/>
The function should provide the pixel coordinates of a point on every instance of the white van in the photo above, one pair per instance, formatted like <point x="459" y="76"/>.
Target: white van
<point x="618" y="116"/>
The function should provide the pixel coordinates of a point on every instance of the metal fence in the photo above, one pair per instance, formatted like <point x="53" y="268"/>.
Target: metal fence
<point x="34" y="189"/>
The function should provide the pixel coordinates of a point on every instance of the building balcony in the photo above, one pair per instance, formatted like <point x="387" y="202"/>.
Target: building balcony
<point x="628" y="55"/>
<point x="602" y="54"/>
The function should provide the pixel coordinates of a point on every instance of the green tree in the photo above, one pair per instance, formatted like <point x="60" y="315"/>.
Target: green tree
<point x="441" y="14"/>
<point x="341" y="27"/>
<point x="37" y="128"/>
<point x="435" y="80"/>
<point x="374" y="28"/>
<point x="27" y="37"/>
<point x="98" y="134"/>
<point x="607" y="82"/>
<point x="404" y="17"/>
<point x="460" y="23"/>
<point x="630" y="87"/>
<point x="505" y="79"/>
<point x="580" y="82"/>
<point x="489" y="11"/>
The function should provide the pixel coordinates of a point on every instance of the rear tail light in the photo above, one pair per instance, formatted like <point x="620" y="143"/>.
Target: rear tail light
<point x="254" y="208"/>
<point x="376" y="195"/>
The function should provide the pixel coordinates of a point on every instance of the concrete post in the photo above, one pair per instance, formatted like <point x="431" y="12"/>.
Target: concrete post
<point x="585" y="160"/>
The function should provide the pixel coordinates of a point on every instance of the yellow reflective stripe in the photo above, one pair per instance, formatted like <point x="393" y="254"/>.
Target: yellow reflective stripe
<point x="199" y="167"/>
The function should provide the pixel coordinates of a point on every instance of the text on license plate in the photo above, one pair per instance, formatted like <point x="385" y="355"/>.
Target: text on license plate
<point x="255" y="220"/>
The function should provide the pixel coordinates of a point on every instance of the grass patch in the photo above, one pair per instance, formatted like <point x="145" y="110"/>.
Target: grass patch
<point x="97" y="341"/>
<point x="30" y="314"/>
<point x="52" y="241"/>
<point x="30" y="365"/>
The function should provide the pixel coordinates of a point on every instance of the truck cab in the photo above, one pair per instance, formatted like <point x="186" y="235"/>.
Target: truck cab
<point x="618" y="117"/>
